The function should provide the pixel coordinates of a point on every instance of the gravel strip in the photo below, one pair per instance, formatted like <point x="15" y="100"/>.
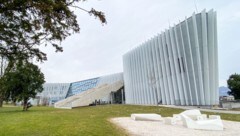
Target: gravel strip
<point x="154" y="128"/>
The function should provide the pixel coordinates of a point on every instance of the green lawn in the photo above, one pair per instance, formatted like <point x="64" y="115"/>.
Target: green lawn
<point x="89" y="121"/>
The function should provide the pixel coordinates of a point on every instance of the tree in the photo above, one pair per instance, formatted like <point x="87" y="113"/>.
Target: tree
<point x="27" y="24"/>
<point x="22" y="83"/>
<point x="234" y="85"/>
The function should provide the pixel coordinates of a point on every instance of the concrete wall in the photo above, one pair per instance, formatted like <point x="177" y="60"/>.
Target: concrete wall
<point x="230" y="105"/>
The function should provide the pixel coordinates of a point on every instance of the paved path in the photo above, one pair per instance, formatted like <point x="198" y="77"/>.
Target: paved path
<point x="201" y="109"/>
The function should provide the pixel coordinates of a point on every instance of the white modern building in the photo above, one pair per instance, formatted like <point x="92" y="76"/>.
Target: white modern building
<point x="179" y="66"/>
<point x="70" y="94"/>
<point x="53" y="92"/>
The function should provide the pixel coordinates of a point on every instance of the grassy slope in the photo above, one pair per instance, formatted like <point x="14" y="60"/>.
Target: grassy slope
<point x="90" y="121"/>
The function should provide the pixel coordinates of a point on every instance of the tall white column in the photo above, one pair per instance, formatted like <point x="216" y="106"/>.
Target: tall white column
<point x="198" y="58"/>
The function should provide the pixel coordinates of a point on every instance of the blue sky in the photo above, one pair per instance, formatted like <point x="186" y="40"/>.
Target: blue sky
<point x="97" y="50"/>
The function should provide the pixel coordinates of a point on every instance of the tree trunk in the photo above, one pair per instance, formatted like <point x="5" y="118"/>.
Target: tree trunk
<point x="1" y="69"/>
<point x="25" y="104"/>
<point x="14" y="102"/>
<point x="1" y="101"/>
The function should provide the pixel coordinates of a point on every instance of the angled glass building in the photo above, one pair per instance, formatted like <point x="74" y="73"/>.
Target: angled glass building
<point x="81" y="86"/>
<point x="178" y="66"/>
<point x="55" y="92"/>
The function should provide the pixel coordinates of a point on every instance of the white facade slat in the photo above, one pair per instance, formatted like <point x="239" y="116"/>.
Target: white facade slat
<point x="195" y="90"/>
<point x="140" y="85"/>
<point x="216" y="58"/>
<point x="172" y="68"/>
<point x="146" y="72"/>
<point x="157" y="79"/>
<point x="210" y="24"/>
<point x="140" y="62"/>
<point x="188" y="93"/>
<point x="166" y="51"/>
<point x="181" y="59"/>
<point x="148" y="89"/>
<point x="177" y="67"/>
<point x="151" y="72"/>
<point x="136" y="86"/>
<point x="127" y="83"/>
<point x="205" y="57"/>
<point x="198" y="58"/>
<point x="136" y="80"/>
<point x="133" y="61"/>
<point x="160" y="68"/>
<point x="166" y="70"/>
<point x="132" y="81"/>
<point x="143" y="74"/>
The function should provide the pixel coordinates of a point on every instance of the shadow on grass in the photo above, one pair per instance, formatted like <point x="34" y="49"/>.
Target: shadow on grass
<point x="18" y="109"/>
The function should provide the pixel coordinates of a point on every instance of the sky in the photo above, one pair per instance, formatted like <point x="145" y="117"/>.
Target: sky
<point x="98" y="49"/>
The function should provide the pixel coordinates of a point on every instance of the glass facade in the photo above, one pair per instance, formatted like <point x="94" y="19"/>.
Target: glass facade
<point x="78" y="87"/>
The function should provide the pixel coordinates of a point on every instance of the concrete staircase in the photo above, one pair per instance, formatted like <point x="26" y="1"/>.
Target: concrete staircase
<point x="87" y="97"/>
